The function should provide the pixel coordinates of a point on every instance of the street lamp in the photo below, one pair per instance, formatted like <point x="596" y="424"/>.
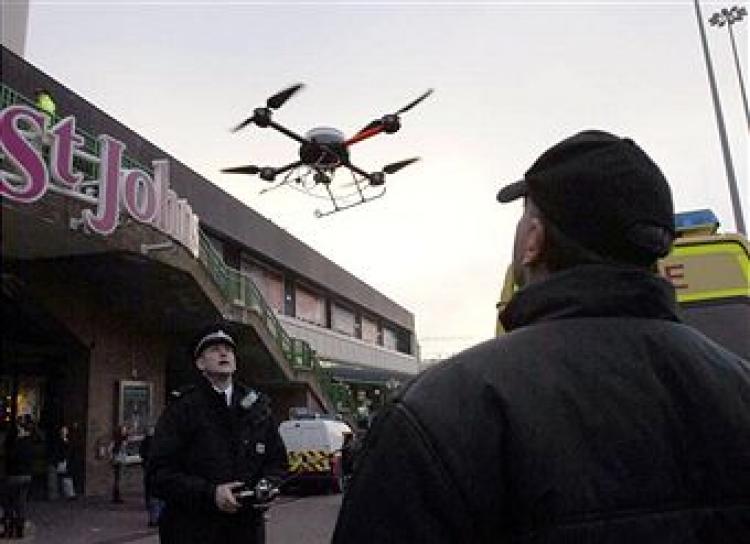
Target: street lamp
<point x="732" y="181"/>
<point x="730" y="17"/>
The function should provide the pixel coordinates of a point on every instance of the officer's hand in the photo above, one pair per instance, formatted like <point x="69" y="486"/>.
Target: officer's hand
<point x="225" y="499"/>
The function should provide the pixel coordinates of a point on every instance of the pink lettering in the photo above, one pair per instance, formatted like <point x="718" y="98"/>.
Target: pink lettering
<point x="146" y="199"/>
<point x="61" y="159"/>
<point x="104" y="221"/>
<point x="22" y="155"/>
<point x="139" y="195"/>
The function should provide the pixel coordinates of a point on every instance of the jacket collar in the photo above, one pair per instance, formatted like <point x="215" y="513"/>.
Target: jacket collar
<point x="217" y="397"/>
<point x="592" y="291"/>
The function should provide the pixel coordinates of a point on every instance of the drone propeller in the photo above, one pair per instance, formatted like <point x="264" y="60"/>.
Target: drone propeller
<point x="415" y="102"/>
<point x="396" y="166"/>
<point x="278" y="100"/>
<point x="249" y="169"/>
<point x="274" y="102"/>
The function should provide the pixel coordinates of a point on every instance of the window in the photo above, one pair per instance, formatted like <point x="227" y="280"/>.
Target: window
<point x="369" y="330"/>
<point x="269" y="283"/>
<point x="342" y="320"/>
<point x="389" y="338"/>
<point x="309" y="306"/>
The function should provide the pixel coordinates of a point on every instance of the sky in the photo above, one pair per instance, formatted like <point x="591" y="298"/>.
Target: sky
<point x="510" y="79"/>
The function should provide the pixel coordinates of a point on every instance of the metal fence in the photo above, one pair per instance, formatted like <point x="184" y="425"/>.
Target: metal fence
<point x="242" y="291"/>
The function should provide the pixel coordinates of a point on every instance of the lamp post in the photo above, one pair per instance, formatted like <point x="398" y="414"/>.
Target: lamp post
<point x="730" y="17"/>
<point x="733" y="191"/>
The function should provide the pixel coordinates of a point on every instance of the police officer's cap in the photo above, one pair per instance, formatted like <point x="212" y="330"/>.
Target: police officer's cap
<point x="211" y="336"/>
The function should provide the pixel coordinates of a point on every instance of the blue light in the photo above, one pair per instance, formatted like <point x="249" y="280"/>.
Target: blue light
<point x="695" y="219"/>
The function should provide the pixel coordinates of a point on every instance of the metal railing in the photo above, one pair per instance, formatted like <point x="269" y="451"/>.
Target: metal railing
<point x="242" y="291"/>
<point x="9" y="97"/>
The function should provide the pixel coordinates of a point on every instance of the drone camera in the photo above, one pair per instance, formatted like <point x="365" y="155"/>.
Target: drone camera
<point x="320" y="177"/>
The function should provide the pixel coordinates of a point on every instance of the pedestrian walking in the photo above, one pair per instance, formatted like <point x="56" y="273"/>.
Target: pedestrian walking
<point x="61" y="456"/>
<point x="598" y="417"/>
<point x="118" y="454"/>
<point x="153" y="504"/>
<point x="19" y="450"/>
<point x="213" y="440"/>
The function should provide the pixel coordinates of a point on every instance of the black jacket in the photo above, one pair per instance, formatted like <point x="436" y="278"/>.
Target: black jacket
<point x="200" y="443"/>
<point x="20" y="452"/>
<point x="599" y="418"/>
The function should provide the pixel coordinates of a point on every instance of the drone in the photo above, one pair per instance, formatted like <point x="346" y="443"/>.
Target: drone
<point x="322" y="152"/>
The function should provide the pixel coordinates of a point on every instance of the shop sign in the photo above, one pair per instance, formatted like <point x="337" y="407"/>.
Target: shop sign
<point x="146" y="199"/>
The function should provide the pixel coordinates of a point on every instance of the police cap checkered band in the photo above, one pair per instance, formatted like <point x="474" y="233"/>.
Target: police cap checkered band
<point x="214" y="337"/>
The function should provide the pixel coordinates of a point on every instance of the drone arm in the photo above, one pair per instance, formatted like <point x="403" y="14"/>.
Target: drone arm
<point x="364" y="134"/>
<point x="288" y="167"/>
<point x="287" y="132"/>
<point x="357" y="170"/>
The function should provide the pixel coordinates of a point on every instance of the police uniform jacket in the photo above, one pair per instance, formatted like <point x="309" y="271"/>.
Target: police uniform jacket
<point x="199" y="443"/>
<point x="598" y="418"/>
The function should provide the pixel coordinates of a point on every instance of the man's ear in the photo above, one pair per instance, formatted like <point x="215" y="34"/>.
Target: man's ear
<point x="200" y="364"/>
<point x="534" y="243"/>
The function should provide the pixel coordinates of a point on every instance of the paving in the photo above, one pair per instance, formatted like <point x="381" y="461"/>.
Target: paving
<point x="96" y="520"/>
<point x="87" y="520"/>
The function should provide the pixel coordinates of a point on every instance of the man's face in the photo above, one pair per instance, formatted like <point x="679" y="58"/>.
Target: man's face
<point x="217" y="360"/>
<point x="527" y="245"/>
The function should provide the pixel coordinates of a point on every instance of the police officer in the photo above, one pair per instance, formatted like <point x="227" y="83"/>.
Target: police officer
<point x="215" y="439"/>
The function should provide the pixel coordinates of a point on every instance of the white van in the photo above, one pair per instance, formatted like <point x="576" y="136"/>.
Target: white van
<point x="314" y="449"/>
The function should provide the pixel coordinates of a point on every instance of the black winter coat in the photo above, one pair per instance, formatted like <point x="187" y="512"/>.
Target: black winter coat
<point x="600" y="418"/>
<point x="19" y="454"/>
<point x="200" y="443"/>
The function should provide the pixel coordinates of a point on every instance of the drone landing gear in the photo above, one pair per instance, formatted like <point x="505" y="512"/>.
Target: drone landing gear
<point x="337" y="208"/>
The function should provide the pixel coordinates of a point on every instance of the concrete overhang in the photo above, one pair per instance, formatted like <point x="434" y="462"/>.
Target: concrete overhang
<point x="139" y="271"/>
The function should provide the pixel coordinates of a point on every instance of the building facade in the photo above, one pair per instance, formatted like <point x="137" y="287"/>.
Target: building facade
<point x="115" y="253"/>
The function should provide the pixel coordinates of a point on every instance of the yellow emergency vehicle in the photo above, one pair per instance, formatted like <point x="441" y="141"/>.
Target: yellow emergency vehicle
<point x="711" y="275"/>
<point x="313" y="444"/>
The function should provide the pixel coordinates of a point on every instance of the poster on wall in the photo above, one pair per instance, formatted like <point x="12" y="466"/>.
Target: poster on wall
<point x="135" y="402"/>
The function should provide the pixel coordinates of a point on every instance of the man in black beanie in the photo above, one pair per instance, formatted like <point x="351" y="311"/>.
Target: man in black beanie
<point x="213" y="440"/>
<point x="599" y="417"/>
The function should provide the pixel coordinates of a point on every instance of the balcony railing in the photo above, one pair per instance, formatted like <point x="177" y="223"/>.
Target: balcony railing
<point x="240" y="288"/>
<point x="9" y="97"/>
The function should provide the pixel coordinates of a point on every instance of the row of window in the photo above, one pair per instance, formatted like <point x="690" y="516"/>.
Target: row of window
<point x="302" y="302"/>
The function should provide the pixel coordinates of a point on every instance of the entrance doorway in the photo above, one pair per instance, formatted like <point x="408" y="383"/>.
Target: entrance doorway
<point x="44" y="381"/>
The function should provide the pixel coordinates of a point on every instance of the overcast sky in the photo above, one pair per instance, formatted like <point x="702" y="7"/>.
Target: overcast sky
<point x="510" y="79"/>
